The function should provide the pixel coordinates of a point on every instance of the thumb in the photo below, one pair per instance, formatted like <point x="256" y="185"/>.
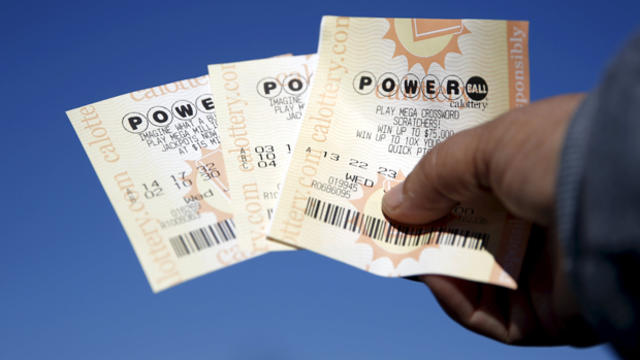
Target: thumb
<point x="451" y="172"/>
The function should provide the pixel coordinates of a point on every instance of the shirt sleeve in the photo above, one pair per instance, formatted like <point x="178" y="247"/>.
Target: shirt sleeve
<point x="598" y="203"/>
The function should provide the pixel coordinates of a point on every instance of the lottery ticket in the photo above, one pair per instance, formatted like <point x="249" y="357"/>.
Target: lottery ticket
<point x="157" y="154"/>
<point x="260" y="105"/>
<point x="385" y="91"/>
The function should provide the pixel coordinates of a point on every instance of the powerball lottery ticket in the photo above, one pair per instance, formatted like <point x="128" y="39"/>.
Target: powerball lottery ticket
<point x="157" y="154"/>
<point x="260" y="104"/>
<point x="385" y="91"/>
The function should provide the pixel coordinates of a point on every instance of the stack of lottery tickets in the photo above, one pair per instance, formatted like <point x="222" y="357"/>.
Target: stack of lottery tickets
<point x="296" y="152"/>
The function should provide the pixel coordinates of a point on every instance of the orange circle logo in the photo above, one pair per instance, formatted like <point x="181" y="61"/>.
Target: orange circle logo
<point x="425" y="41"/>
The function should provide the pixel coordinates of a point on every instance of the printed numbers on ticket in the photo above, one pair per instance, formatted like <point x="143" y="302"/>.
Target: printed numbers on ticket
<point x="260" y="104"/>
<point x="157" y="154"/>
<point x="386" y="91"/>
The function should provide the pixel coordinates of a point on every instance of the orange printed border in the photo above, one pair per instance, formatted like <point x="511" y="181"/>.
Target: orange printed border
<point x="518" y="57"/>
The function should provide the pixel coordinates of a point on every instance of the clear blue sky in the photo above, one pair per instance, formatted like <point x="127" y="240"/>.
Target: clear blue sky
<point x="70" y="284"/>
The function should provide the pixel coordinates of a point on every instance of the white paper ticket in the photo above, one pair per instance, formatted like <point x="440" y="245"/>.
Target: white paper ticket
<point x="386" y="91"/>
<point x="260" y="104"/>
<point x="157" y="154"/>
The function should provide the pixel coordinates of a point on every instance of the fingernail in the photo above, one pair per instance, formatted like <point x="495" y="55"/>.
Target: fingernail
<point x="393" y="198"/>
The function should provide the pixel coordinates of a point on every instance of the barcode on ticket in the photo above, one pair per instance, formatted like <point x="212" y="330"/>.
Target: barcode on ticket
<point x="382" y="230"/>
<point x="203" y="238"/>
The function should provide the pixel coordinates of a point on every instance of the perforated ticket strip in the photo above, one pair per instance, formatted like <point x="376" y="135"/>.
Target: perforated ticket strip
<point x="157" y="154"/>
<point x="260" y="104"/>
<point x="385" y="92"/>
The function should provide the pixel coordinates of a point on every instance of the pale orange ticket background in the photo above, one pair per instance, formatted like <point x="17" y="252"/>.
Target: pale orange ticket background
<point x="157" y="154"/>
<point x="385" y="91"/>
<point x="260" y="104"/>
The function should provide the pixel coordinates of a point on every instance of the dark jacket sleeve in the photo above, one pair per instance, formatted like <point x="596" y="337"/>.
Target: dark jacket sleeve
<point x="598" y="203"/>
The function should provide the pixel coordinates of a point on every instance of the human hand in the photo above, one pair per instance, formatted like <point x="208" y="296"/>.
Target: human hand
<point x="513" y="158"/>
